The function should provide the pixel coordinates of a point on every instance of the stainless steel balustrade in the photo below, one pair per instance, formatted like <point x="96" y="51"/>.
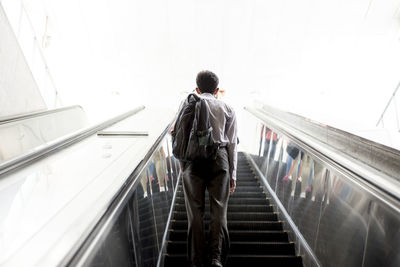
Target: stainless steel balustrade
<point x="21" y="133"/>
<point x="377" y="156"/>
<point x="62" y="142"/>
<point x="340" y="204"/>
<point x="86" y="187"/>
<point x="132" y="231"/>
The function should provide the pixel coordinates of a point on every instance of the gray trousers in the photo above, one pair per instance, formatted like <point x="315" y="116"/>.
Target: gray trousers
<point x="198" y="176"/>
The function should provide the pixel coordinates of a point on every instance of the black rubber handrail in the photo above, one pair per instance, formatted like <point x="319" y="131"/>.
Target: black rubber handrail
<point x="62" y="142"/>
<point x="382" y="186"/>
<point x="4" y="120"/>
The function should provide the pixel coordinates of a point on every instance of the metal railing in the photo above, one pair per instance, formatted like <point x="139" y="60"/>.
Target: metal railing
<point x="4" y="120"/>
<point x="342" y="205"/>
<point x="62" y="142"/>
<point x="383" y="183"/>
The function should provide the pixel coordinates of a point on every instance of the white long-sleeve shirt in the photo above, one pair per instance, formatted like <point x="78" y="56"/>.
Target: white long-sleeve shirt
<point x="223" y="122"/>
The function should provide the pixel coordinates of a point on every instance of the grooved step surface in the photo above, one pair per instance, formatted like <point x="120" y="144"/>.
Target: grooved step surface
<point x="235" y="216"/>
<point x="240" y="260"/>
<point x="246" y="201"/>
<point x="239" y="235"/>
<point x="256" y="235"/>
<point x="249" y="248"/>
<point x="236" y="208"/>
<point x="236" y="225"/>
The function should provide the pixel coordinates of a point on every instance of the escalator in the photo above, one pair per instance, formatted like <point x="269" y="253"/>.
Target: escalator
<point x="311" y="195"/>
<point x="256" y="234"/>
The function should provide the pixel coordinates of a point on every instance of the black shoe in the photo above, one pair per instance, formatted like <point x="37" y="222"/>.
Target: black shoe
<point x="215" y="263"/>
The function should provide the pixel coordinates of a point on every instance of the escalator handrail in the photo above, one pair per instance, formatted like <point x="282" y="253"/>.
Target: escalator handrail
<point x="4" y="120"/>
<point x="379" y="184"/>
<point x="62" y="142"/>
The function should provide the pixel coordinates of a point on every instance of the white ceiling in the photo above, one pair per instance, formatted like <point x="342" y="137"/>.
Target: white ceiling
<point x="334" y="60"/>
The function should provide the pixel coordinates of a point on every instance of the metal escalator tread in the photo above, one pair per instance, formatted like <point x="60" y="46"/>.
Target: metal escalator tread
<point x="240" y="260"/>
<point x="248" y="248"/>
<point x="253" y="216"/>
<point x="239" y="235"/>
<point x="257" y="236"/>
<point x="236" y="207"/>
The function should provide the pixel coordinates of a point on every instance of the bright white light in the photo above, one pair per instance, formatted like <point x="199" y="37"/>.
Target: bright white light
<point x="333" y="61"/>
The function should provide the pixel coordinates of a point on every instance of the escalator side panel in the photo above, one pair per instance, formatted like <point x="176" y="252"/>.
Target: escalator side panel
<point x="343" y="222"/>
<point x="135" y="234"/>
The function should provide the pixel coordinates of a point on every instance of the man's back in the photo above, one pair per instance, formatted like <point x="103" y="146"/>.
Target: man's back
<point x="223" y="122"/>
<point x="220" y="114"/>
<point x="217" y="176"/>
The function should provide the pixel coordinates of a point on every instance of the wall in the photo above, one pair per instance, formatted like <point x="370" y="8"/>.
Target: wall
<point x="34" y="38"/>
<point x="18" y="90"/>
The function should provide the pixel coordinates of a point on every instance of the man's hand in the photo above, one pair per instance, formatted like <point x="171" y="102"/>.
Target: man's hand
<point x="233" y="186"/>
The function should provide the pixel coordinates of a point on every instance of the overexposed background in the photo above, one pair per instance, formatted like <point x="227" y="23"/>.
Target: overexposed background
<point x="335" y="61"/>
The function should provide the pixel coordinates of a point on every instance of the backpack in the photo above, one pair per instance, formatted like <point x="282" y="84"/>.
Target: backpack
<point x="192" y="135"/>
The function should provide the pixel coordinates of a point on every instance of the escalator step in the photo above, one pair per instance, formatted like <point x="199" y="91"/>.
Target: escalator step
<point x="250" y="225"/>
<point x="254" y="187"/>
<point x="245" y="169"/>
<point x="239" y="194"/>
<point x="243" y="260"/>
<point x="264" y="260"/>
<point x="245" y="172"/>
<point x="248" y="248"/>
<point x="247" y="183"/>
<point x="235" y="225"/>
<point x="236" y="208"/>
<point x="262" y="248"/>
<point x="254" y="236"/>
<point x="232" y="216"/>
<point x="247" y="201"/>
<point x="246" y="178"/>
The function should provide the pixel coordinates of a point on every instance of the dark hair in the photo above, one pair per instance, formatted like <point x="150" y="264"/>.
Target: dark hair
<point x="207" y="81"/>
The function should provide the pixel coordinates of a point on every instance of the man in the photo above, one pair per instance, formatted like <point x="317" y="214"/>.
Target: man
<point x="217" y="175"/>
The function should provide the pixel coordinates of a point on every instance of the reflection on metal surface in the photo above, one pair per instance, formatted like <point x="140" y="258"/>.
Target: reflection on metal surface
<point x="133" y="234"/>
<point x="50" y="207"/>
<point x="383" y="239"/>
<point x="285" y="216"/>
<point x="343" y="223"/>
<point x="383" y="182"/>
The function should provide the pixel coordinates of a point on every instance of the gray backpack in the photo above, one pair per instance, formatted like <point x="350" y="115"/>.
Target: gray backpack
<point x="192" y="135"/>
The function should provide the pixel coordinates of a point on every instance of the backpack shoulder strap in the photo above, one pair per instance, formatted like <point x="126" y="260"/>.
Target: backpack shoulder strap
<point x="196" y="97"/>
